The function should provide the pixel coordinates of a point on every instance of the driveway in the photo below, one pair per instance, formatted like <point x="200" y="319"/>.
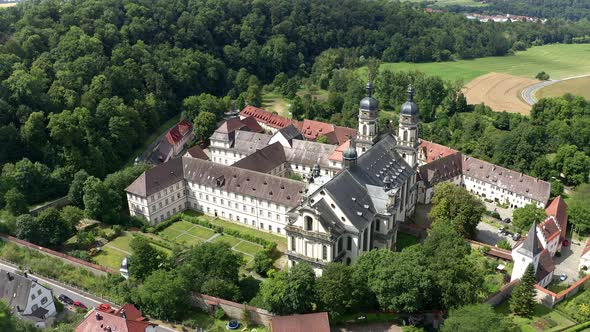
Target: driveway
<point x="504" y="213"/>
<point x="568" y="262"/>
<point x="488" y="234"/>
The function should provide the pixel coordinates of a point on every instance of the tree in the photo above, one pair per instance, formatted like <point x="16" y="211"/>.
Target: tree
<point x="100" y="202"/>
<point x="210" y="261"/>
<point x="322" y="139"/>
<point x="204" y="125"/>
<point x="15" y="202"/>
<point x="405" y="284"/>
<point x="543" y="76"/>
<point x="291" y="292"/>
<point x="71" y="216"/>
<point x="144" y="258"/>
<point x="523" y="217"/>
<point x="262" y="262"/>
<point x="475" y="318"/>
<point x="163" y="295"/>
<point x="221" y="288"/>
<point x="456" y="206"/>
<point x="76" y="191"/>
<point x="579" y="216"/>
<point x="26" y="228"/>
<point x="336" y="290"/>
<point x="52" y="228"/>
<point x="522" y="302"/>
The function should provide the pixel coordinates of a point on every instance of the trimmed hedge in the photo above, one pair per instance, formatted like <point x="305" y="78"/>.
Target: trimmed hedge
<point x="580" y="327"/>
<point x="154" y="241"/>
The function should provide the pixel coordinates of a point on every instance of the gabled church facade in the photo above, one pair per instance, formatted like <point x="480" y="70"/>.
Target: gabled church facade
<point x="362" y="206"/>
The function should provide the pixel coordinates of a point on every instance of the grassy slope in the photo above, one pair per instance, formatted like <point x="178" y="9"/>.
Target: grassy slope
<point x="558" y="60"/>
<point x="540" y="312"/>
<point x="579" y="87"/>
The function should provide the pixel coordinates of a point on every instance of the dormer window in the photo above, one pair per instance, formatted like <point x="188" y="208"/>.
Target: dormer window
<point x="308" y="223"/>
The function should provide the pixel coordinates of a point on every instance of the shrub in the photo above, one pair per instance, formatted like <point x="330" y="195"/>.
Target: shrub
<point x="80" y="254"/>
<point x="543" y="76"/>
<point x="262" y="261"/>
<point x="504" y="244"/>
<point x="219" y="313"/>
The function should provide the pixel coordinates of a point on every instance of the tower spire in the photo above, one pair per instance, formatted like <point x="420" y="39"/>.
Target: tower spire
<point x="411" y="93"/>
<point x="369" y="88"/>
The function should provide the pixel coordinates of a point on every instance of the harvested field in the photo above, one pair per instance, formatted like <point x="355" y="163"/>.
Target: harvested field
<point x="7" y="4"/>
<point x="576" y="86"/>
<point x="501" y="92"/>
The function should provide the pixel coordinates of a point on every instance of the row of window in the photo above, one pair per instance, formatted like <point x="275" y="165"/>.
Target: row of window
<point x="235" y="196"/>
<point x="165" y="192"/>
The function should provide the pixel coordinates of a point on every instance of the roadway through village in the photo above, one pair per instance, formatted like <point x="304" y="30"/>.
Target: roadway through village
<point x="528" y="94"/>
<point x="74" y="294"/>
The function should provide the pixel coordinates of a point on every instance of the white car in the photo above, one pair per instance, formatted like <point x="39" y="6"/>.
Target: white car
<point x="562" y="277"/>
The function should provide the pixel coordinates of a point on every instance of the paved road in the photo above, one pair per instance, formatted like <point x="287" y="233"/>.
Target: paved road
<point x="528" y="94"/>
<point x="488" y="234"/>
<point x="73" y="293"/>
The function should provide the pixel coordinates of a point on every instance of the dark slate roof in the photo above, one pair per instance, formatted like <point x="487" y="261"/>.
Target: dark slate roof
<point x="14" y="289"/>
<point x="263" y="160"/>
<point x="382" y="160"/>
<point x="328" y="217"/>
<point x="40" y="312"/>
<point x="248" y="142"/>
<point x="157" y="178"/>
<point x="244" y="182"/>
<point x="440" y="170"/>
<point x="290" y="133"/>
<point x="161" y="153"/>
<point x="531" y="245"/>
<point x="369" y="104"/>
<point x="352" y="198"/>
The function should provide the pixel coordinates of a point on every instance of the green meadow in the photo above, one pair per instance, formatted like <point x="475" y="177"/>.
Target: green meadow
<point x="558" y="60"/>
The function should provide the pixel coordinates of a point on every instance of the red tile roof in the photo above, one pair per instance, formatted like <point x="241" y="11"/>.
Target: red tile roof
<point x="197" y="152"/>
<point x="337" y="154"/>
<point x="586" y="248"/>
<point x="98" y="321"/>
<point x="175" y="135"/>
<point x="317" y="322"/>
<point x="545" y="266"/>
<point x="549" y="228"/>
<point x="310" y="129"/>
<point x="434" y="151"/>
<point x="558" y="209"/>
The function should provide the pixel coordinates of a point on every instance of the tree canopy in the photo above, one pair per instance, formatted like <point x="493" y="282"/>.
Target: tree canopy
<point x="524" y="217"/>
<point x="456" y="206"/>
<point x="477" y="317"/>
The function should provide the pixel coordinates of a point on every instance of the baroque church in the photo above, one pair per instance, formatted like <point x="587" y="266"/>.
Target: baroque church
<point x="354" y="196"/>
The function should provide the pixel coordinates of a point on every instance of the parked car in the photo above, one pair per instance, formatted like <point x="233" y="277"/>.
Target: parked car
<point x="566" y="243"/>
<point x="516" y="236"/>
<point x="508" y="234"/>
<point x="65" y="299"/>
<point x="501" y="230"/>
<point x="80" y="305"/>
<point x="562" y="277"/>
<point x="507" y="220"/>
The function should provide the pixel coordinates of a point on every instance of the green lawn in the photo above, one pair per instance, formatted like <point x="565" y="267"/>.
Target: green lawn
<point x="202" y="232"/>
<point x="558" y="60"/>
<point x="232" y="241"/>
<point x="543" y="317"/>
<point x="557" y="287"/>
<point x="109" y="257"/>
<point x="188" y="240"/>
<point x="275" y="102"/>
<point x="182" y="225"/>
<point x="246" y="230"/>
<point x="405" y="240"/>
<point x="248" y="247"/>
<point x="122" y="242"/>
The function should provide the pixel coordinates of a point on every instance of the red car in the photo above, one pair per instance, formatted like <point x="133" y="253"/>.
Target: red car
<point x="566" y="243"/>
<point x="80" y="305"/>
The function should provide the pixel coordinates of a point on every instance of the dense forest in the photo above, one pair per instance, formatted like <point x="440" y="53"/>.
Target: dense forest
<point x="565" y="9"/>
<point x="83" y="83"/>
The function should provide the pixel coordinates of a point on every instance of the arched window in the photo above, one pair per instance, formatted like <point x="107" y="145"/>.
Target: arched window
<point x="340" y="244"/>
<point x="324" y="252"/>
<point x="405" y="135"/>
<point x="347" y="260"/>
<point x="365" y="129"/>
<point x="308" y="223"/>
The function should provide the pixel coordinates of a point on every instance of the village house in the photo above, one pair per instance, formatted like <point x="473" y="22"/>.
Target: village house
<point x="27" y="298"/>
<point x="126" y="319"/>
<point x="172" y="143"/>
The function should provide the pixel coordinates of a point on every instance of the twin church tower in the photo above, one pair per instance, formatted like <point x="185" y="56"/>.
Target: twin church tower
<point x="407" y="134"/>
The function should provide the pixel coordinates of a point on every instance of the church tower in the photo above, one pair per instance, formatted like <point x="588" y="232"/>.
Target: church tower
<point x="368" y="116"/>
<point x="527" y="253"/>
<point x="407" y="135"/>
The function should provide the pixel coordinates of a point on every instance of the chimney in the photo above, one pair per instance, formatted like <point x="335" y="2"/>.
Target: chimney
<point x="123" y="314"/>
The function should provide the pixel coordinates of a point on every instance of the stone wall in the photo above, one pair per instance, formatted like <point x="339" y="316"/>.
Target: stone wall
<point x="60" y="202"/>
<point x="232" y="310"/>
<point x="502" y="294"/>
<point x="95" y="269"/>
<point x="550" y="299"/>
